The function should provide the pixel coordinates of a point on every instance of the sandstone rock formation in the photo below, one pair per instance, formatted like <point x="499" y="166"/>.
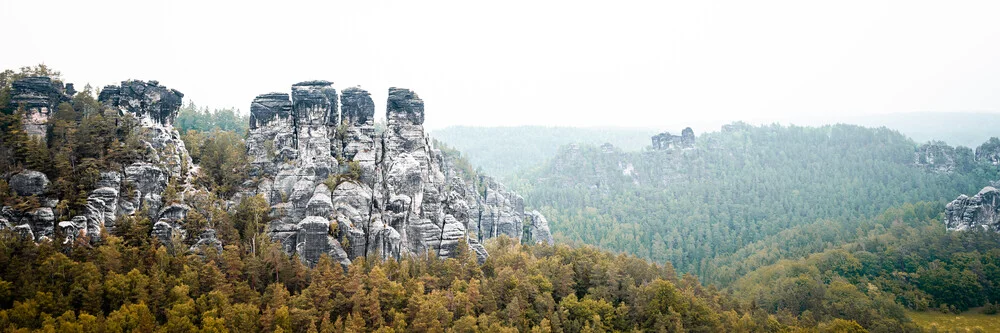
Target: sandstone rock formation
<point x="539" y="230"/>
<point x="338" y="187"/>
<point x="165" y="158"/>
<point x="148" y="101"/>
<point x="667" y="141"/>
<point x="39" y="96"/>
<point x="981" y="211"/>
<point x="989" y="152"/>
<point x="939" y="157"/>
<point x="29" y="182"/>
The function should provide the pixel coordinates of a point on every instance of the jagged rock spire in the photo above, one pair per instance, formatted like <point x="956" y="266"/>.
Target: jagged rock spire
<point x="401" y="204"/>
<point x="357" y="106"/>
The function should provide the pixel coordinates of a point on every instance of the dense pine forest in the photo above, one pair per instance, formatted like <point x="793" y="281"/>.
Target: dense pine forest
<point x="736" y="188"/>
<point x="758" y="228"/>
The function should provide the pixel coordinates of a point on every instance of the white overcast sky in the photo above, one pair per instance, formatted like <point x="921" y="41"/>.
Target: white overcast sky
<point x="659" y="64"/>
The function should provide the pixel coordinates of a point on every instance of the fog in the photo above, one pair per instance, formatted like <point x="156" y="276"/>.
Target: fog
<point x="651" y="64"/>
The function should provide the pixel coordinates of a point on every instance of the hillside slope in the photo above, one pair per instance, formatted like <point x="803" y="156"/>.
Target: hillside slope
<point x="739" y="186"/>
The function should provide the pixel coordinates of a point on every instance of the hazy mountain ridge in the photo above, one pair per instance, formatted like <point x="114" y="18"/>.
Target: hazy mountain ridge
<point x="504" y="151"/>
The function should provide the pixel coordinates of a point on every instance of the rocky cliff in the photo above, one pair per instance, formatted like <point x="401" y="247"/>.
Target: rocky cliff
<point x="335" y="184"/>
<point x="139" y="185"/>
<point x="338" y="186"/>
<point x="981" y="211"/>
<point x="39" y="96"/>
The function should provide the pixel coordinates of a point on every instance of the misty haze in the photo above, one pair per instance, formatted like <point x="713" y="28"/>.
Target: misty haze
<point x="519" y="166"/>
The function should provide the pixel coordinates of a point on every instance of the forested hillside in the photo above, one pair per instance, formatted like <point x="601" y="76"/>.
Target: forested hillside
<point x="828" y="229"/>
<point x="504" y="151"/>
<point x="704" y="208"/>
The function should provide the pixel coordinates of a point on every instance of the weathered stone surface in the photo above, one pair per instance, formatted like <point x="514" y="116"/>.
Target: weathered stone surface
<point x="358" y="107"/>
<point x="405" y="104"/>
<point x="29" y="182"/>
<point x="163" y="232"/>
<point x="207" y="240"/>
<point x="667" y="141"/>
<point x="148" y="101"/>
<point x="24" y="231"/>
<point x="42" y="222"/>
<point x="981" y="211"/>
<point x="407" y="200"/>
<point x="69" y="230"/>
<point x="539" y="229"/>
<point x="39" y="96"/>
<point x="165" y="157"/>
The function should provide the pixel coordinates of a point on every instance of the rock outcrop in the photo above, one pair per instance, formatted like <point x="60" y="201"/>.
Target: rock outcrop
<point x="989" y="152"/>
<point x="939" y="157"/>
<point x="539" y="229"/>
<point x="148" y="101"/>
<point x="140" y="185"/>
<point x="667" y="141"/>
<point x="40" y="96"/>
<point x="29" y="182"/>
<point x="981" y="211"/>
<point x="338" y="187"/>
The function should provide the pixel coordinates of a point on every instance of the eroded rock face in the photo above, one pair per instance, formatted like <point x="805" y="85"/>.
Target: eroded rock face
<point x="407" y="200"/>
<point x="39" y="96"/>
<point x="141" y="185"/>
<point x="540" y="229"/>
<point x="989" y="151"/>
<point x="981" y="211"/>
<point x="148" y="101"/>
<point x="667" y="141"/>
<point x="358" y="107"/>
<point x="29" y="182"/>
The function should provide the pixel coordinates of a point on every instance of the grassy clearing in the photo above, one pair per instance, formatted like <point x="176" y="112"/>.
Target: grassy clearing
<point x="967" y="321"/>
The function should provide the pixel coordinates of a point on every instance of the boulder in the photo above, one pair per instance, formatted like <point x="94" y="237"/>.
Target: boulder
<point x="29" y="182"/>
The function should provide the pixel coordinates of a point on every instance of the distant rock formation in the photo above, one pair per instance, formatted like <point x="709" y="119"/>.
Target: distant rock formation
<point x="40" y="96"/>
<point x="539" y="229"/>
<point x="939" y="157"/>
<point x="667" y="141"/>
<point x="989" y="152"/>
<point x="338" y="187"/>
<point x="979" y="212"/>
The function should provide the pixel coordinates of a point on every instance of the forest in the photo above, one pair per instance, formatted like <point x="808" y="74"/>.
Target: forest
<point x="737" y="188"/>
<point x="757" y="229"/>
